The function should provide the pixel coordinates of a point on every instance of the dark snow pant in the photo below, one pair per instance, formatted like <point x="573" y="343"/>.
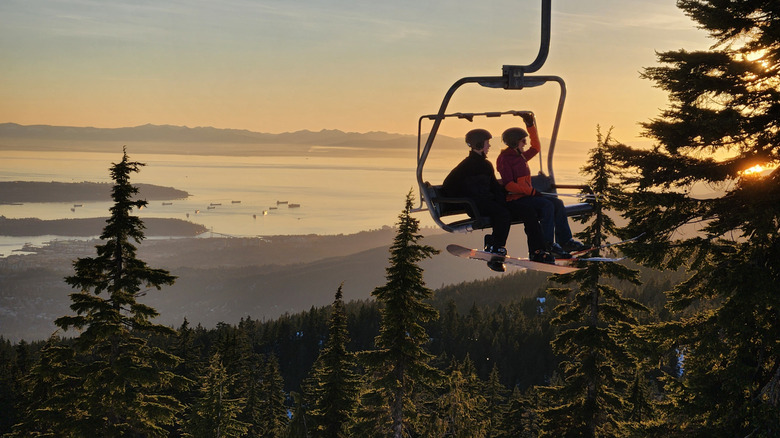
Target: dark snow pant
<point x="500" y="218"/>
<point x="552" y="217"/>
<point x="522" y="209"/>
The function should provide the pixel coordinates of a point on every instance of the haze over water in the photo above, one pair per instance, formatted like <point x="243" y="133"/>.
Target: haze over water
<point x="336" y="195"/>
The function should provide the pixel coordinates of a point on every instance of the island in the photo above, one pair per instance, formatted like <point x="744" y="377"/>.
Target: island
<point x="88" y="227"/>
<point x="15" y="192"/>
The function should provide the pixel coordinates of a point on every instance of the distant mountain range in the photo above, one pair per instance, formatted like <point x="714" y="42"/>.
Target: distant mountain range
<point x="170" y="133"/>
<point x="204" y="140"/>
<point x="210" y="141"/>
<point x="169" y="139"/>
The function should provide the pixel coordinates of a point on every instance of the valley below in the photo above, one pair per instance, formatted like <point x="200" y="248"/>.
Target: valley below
<point x="225" y="279"/>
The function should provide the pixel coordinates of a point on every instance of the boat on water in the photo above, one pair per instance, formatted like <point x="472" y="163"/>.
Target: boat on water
<point x="167" y="203"/>
<point x="215" y="203"/>
<point x="293" y="205"/>
<point x="78" y="205"/>
<point x="211" y="207"/>
<point x="235" y="202"/>
<point x="280" y="202"/>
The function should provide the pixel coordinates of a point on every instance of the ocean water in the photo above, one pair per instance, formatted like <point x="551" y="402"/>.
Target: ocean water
<point x="232" y="195"/>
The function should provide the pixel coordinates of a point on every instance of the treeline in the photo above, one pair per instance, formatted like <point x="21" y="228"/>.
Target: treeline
<point x="506" y="344"/>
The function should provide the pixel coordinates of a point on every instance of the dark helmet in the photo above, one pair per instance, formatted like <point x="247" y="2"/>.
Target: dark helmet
<point x="476" y="138"/>
<point x="512" y="136"/>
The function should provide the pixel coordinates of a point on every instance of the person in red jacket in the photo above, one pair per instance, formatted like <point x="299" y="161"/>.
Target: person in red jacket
<point x="512" y="164"/>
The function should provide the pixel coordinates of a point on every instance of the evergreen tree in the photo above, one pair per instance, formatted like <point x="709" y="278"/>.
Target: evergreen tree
<point x="11" y="370"/>
<point x="215" y="414"/>
<point x="273" y="412"/>
<point x="723" y="118"/>
<point x="297" y="427"/>
<point x="246" y="368"/>
<point x="122" y="377"/>
<point x="191" y="366"/>
<point x="253" y="392"/>
<point x="495" y="401"/>
<point x="596" y="322"/>
<point x="520" y="419"/>
<point x="400" y="364"/>
<point x="47" y="404"/>
<point x="373" y="416"/>
<point x="334" y="385"/>
<point x="461" y="406"/>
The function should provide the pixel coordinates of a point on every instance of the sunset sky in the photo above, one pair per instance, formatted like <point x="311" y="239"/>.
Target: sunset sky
<point x="279" y="65"/>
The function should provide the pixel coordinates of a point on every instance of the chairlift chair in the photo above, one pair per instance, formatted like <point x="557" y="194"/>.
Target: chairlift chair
<point x="514" y="77"/>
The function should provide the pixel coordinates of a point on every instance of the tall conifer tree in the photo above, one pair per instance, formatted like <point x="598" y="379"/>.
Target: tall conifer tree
<point x="520" y="418"/>
<point x="400" y="364"/>
<point x="596" y="322"/>
<point x="123" y="378"/>
<point x="272" y="410"/>
<point x="461" y="407"/>
<point x="495" y="399"/>
<point x="47" y="404"/>
<point x="334" y="385"/>
<point x="215" y="413"/>
<point x="694" y="197"/>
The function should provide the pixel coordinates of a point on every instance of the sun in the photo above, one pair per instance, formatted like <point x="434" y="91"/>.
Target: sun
<point x="753" y="171"/>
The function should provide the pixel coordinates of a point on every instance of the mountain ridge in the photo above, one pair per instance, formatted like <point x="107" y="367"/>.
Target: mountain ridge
<point x="174" y="133"/>
<point x="182" y="140"/>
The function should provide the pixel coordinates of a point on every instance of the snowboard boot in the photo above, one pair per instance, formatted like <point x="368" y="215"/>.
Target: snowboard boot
<point x="573" y="245"/>
<point x="488" y="242"/>
<point x="497" y="262"/>
<point x="542" y="257"/>
<point x="558" y="252"/>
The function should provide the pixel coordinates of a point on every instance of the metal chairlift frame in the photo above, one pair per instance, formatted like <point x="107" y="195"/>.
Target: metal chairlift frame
<point x="514" y="77"/>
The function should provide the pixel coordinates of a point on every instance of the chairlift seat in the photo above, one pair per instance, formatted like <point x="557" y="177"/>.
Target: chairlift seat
<point x="447" y="206"/>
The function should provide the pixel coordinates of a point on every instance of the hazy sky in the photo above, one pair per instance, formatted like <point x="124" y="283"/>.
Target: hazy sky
<point x="284" y="65"/>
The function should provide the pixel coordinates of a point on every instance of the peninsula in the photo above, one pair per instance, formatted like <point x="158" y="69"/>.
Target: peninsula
<point x="88" y="227"/>
<point x="12" y="192"/>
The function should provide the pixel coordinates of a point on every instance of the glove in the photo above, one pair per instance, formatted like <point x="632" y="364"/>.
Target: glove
<point x="528" y="119"/>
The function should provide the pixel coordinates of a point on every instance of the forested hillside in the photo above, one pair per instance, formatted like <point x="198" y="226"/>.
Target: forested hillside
<point x="501" y="323"/>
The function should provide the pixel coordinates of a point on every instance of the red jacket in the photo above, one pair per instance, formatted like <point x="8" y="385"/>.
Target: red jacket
<point x="514" y="170"/>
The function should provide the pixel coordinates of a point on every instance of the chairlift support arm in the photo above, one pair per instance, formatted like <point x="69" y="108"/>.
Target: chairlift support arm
<point x="514" y="77"/>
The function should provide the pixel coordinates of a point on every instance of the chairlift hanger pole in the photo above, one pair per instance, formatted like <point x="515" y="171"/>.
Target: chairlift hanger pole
<point x="513" y="78"/>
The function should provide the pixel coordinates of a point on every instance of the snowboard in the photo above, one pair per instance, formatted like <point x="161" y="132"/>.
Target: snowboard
<point x="463" y="252"/>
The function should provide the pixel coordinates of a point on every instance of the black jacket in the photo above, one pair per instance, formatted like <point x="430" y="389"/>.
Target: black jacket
<point x="474" y="178"/>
